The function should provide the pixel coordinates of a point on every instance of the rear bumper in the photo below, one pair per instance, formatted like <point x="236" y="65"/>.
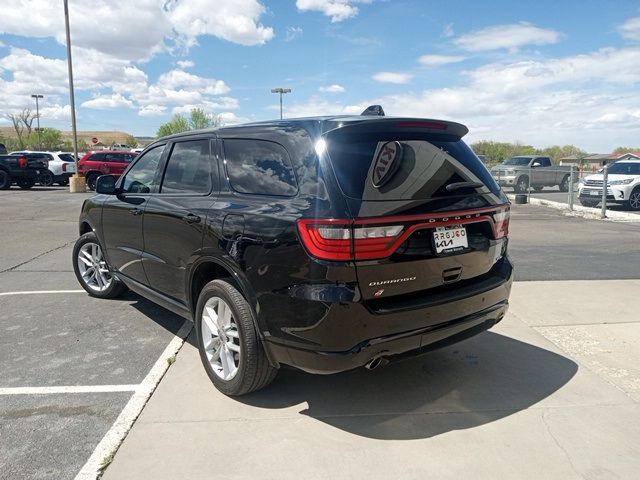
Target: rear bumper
<point x="29" y="173"/>
<point x="397" y="334"/>
<point x="392" y="347"/>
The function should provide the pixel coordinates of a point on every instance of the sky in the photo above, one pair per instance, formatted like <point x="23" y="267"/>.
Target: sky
<point x="541" y="73"/>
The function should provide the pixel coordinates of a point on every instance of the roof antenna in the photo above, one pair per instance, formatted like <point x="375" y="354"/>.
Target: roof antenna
<point x="373" y="111"/>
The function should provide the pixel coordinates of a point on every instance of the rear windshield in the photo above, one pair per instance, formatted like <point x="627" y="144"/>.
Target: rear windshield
<point x="414" y="166"/>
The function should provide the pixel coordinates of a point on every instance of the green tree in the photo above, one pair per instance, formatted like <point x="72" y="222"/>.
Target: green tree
<point x="198" y="119"/>
<point x="131" y="141"/>
<point x="176" y="125"/>
<point x="622" y="150"/>
<point x="49" y="139"/>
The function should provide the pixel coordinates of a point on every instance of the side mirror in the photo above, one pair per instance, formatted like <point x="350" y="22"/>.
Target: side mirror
<point x="536" y="164"/>
<point x="106" y="185"/>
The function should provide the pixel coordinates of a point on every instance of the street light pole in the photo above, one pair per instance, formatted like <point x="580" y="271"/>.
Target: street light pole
<point x="280" y="90"/>
<point x="75" y="182"/>
<point x="38" y="118"/>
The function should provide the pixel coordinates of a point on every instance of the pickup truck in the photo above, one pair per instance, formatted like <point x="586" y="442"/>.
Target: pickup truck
<point x="21" y="169"/>
<point x="539" y="172"/>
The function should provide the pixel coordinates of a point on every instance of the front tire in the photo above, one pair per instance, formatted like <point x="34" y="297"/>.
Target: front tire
<point x="229" y="347"/>
<point x="634" y="199"/>
<point x="522" y="184"/>
<point x="91" y="269"/>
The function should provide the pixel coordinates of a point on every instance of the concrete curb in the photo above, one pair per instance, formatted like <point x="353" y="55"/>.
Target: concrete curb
<point x="584" y="212"/>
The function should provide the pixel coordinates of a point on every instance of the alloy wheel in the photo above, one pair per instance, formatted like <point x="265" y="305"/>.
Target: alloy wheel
<point x="634" y="200"/>
<point x="220" y="338"/>
<point x="93" y="267"/>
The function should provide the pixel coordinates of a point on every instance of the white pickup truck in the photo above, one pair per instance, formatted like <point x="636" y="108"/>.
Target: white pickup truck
<point x="539" y="172"/>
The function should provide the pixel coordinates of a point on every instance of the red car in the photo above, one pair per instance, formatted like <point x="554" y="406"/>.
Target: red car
<point x="108" y="162"/>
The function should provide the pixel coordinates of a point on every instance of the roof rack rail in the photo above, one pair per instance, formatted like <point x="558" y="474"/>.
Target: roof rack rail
<point x="374" y="111"/>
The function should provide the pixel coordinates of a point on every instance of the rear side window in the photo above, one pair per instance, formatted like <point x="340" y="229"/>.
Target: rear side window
<point x="259" y="167"/>
<point x="120" y="157"/>
<point x="66" y="157"/>
<point x="381" y="166"/>
<point x="189" y="168"/>
<point x="98" y="157"/>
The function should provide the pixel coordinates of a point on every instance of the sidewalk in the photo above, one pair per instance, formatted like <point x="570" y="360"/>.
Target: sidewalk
<point x="551" y="392"/>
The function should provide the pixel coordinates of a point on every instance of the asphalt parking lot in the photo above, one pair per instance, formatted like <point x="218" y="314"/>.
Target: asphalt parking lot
<point x="71" y="365"/>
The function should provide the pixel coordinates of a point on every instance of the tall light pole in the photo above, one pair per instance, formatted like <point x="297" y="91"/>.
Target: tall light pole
<point x="75" y="184"/>
<point x="37" y="96"/>
<point x="280" y="90"/>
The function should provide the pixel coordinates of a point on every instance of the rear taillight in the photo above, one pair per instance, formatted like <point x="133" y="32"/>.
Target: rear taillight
<point x="344" y="240"/>
<point x="376" y="238"/>
<point x="64" y="167"/>
<point x="501" y="221"/>
<point x="23" y="162"/>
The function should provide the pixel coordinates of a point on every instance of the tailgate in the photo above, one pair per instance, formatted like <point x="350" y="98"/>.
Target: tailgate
<point x="427" y="214"/>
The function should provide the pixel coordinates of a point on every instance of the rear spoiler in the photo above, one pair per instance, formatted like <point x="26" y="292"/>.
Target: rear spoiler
<point x="407" y="125"/>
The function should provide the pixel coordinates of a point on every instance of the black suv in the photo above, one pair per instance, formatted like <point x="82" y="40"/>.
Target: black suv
<point x="324" y="243"/>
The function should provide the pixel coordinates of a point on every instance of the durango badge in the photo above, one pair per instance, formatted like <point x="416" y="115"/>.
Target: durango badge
<point x="386" y="163"/>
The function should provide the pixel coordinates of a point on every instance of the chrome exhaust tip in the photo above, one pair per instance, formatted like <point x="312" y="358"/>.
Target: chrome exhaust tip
<point x="375" y="363"/>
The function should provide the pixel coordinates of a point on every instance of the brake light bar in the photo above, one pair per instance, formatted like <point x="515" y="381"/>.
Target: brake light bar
<point x="376" y="238"/>
<point x="418" y="124"/>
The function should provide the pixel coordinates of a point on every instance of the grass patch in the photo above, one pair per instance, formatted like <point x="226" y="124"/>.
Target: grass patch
<point x="171" y="360"/>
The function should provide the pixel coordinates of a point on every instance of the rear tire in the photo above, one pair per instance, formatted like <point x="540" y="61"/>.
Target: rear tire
<point x="26" y="183"/>
<point x="229" y="346"/>
<point x="5" y="180"/>
<point x="564" y="184"/>
<point x="46" y="179"/>
<point x="92" y="179"/>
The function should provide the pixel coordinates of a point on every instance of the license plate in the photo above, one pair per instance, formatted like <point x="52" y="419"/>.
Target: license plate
<point x="450" y="239"/>
<point x="595" y="193"/>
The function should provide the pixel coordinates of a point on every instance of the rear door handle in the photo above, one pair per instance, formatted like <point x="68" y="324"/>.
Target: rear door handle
<point x="191" y="218"/>
<point x="136" y="211"/>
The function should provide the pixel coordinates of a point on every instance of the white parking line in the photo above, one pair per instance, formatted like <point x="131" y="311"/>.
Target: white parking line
<point x="118" y="431"/>
<point x="68" y="389"/>
<point x="36" y="292"/>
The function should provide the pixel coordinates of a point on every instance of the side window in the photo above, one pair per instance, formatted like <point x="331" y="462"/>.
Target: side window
<point x="189" y="168"/>
<point x="259" y="167"/>
<point x="544" y="161"/>
<point x="98" y="157"/>
<point x="140" y="178"/>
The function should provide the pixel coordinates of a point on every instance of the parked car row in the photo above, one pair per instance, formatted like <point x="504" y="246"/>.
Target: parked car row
<point x="57" y="167"/>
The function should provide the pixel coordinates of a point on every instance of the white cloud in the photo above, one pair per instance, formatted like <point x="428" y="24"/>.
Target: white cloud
<point x="510" y="37"/>
<point x="137" y="30"/>
<point x="179" y="79"/>
<point x="437" y="60"/>
<point x="184" y="64"/>
<point x="108" y="102"/>
<point x="230" y="118"/>
<point x="338" y="10"/>
<point x="447" y="31"/>
<point x="392" y="77"/>
<point x="631" y="29"/>
<point x="312" y="107"/>
<point x="293" y="33"/>
<point x="233" y="20"/>
<point x="152" y="110"/>
<point x="335" y="88"/>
